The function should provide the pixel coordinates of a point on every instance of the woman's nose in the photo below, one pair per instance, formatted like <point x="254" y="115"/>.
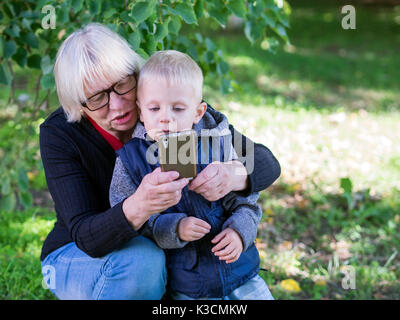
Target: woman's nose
<point x="116" y="101"/>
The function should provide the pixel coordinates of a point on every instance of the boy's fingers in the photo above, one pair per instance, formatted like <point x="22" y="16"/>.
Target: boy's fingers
<point x="201" y="229"/>
<point x="196" y="235"/>
<point x="226" y="252"/>
<point x="202" y="223"/>
<point x="217" y="238"/>
<point x="231" y="257"/>
<point x="220" y="245"/>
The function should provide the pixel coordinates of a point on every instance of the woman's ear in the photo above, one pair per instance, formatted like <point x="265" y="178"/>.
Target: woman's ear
<point x="200" y="111"/>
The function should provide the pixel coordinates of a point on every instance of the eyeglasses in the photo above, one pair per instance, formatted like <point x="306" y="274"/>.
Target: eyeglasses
<point x="102" y="98"/>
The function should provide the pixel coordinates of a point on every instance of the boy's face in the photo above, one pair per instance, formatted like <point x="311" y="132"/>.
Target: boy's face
<point x="165" y="107"/>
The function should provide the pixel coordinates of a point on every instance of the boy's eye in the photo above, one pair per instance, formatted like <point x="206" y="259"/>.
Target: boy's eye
<point x="155" y="108"/>
<point x="179" y="108"/>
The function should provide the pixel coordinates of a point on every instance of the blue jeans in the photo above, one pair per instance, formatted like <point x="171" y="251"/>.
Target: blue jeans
<point x="136" y="271"/>
<point x="253" y="289"/>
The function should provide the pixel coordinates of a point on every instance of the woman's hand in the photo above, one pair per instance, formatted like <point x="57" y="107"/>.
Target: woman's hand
<point x="157" y="192"/>
<point x="220" y="178"/>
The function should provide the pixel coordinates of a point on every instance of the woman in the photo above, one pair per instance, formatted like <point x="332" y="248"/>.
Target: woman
<point x="94" y="251"/>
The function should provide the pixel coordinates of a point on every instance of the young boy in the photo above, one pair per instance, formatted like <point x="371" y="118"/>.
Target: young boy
<point x="209" y="245"/>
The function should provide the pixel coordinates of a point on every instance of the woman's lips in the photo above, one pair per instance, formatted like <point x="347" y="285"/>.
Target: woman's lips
<point x="124" y="118"/>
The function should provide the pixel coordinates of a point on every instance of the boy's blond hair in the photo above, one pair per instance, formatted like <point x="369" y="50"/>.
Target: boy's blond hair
<point x="175" y="68"/>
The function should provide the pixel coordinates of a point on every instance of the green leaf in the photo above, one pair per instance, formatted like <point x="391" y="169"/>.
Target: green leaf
<point x="149" y="44"/>
<point x="1" y="46"/>
<point x="13" y="31"/>
<point x="237" y="7"/>
<point x="26" y="199"/>
<point x="10" y="48"/>
<point x="22" y="179"/>
<point x="20" y="56"/>
<point x="62" y="14"/>
<point x="8" y="202"/>
<point x="346" y="185"/>
<point x="222" y="67"/>
<point x="109" y="13"/>
<point x="225" y="86"/>
<point x="280" y="30"/>
<point x="174" y="25"/>
<point x="95" y="7"/>
<point x="161" y="32"/>
<point x="142" y="53"/>
<point x="46" y="65"/>
<point x="5" y="75"/>
<point x="6" y="186"/>
<point x="31" y="39"/>
<point x="199" y="8"/>
<point x="142" y="10"/>
<point x="47" y="81"/>
<point x="34" y="61"/>
<point x="253" y="31"/>
<point x="185" y="11"/>
<point x="76" y="5"/>
<point x="218" y="11"/>
<point x="134" y="40"/>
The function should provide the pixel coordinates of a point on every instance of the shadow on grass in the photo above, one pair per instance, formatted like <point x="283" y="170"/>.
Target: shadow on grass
<point x="310" y="237"/>
<point x="326" y="67"/>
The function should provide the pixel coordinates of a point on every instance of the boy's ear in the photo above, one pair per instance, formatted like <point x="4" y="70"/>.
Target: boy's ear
<point x="200" y="111"/>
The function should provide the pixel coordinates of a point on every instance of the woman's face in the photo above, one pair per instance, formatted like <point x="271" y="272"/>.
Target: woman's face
<point x="119" y="116"/>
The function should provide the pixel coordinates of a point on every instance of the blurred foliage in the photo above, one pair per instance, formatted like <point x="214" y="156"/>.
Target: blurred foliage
<point x="327" y="106"/>
<point x="31" y="32"/>
<point x="31" y="35"/>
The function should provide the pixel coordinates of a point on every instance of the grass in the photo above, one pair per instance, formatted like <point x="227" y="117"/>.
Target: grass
<point x="327" y="106"/>
<point x="21" y="237"/>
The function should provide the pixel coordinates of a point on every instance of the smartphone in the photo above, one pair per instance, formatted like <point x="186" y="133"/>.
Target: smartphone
<point x="178" y="152"/>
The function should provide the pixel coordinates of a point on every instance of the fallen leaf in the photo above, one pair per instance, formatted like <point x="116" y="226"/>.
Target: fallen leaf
<point x="290" y="285"/>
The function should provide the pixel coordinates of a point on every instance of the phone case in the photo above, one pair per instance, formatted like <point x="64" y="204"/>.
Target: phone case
<point x="178" y="152"/>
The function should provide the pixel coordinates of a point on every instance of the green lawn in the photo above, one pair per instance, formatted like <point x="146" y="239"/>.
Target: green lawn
<point x="327" y="105"/>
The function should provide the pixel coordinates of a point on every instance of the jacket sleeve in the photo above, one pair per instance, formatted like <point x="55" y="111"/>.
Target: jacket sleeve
<point x="162" y="228"/>
<point x="245" y="216"/>
<point x="261" y="165"/>
<point x="94" y="230"/>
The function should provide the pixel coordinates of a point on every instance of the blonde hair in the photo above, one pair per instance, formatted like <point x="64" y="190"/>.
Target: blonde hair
<point x="175" y="68"/>
<point x="91" y="57"/>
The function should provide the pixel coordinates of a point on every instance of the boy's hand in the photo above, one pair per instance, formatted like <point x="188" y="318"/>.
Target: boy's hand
<point x="192" y="228"/>
<point x="229" y="245"/>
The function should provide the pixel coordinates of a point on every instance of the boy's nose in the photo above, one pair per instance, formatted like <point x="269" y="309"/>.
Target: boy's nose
<point x="165" y="116"/>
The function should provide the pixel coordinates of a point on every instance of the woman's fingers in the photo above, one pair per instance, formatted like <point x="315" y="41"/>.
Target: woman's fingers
<point x="203" y="177"/>
<point x="158" y="177"/>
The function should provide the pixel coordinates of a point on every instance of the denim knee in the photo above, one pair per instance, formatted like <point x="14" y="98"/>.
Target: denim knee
<point x="137" y="269"/>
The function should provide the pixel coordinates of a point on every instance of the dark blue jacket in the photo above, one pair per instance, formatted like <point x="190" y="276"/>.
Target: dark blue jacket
<point x="194" y="270"/>
<point x="78" y="163"/>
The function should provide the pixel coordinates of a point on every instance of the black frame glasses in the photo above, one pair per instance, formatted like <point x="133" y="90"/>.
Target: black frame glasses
<point x="108" y="91"/>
